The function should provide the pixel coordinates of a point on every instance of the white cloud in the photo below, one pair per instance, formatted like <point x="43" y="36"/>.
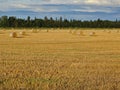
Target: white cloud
<point x="106" y="7"/>
<point x="88" y="2"/>
<point x="94" y="10"/>
<point x="78" y="5"/>
<point x="20" y="5"/>
<point x="97" y="2"/>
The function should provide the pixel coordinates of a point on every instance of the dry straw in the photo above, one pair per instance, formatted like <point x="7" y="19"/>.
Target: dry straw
<point x="34" y="31"/>
<point x="13" y="34"/>
<point x="117" y="31"/>
<point x="70" y="31"/>
<point x="22" y="33"/>
<point x="38" y="30"/>
<point x="92" y="34"/>
<point x="4" y="29"/>
<point x="109" y="31"/>
<point x="47" y="30"/>
<point x="74" y="32"/>
<point x="81" y="33"/>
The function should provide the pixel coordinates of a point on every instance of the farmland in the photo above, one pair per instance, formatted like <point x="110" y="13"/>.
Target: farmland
<point x="57" y="59"/>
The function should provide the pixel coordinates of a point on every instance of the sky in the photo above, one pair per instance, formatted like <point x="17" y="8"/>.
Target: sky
<point x="70" y="9"/>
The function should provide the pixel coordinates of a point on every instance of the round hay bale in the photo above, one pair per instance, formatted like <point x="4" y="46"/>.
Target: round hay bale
<point x="70" y="31"/>
<point x="81" y="33"/>
<point x="38" y="30"/>
<point x="4" y="29"/>
<point x="34" y="31"/>
<point x="12" y="28"/>
<point x="13" y="34"/>
<point x="109" y="31"/>
<point x="74" y="32"/>
<point x="117" y="31"/>
<point x="92" y="34"/>
<point x="22" y="33"/>
<point x="47" y="31"/>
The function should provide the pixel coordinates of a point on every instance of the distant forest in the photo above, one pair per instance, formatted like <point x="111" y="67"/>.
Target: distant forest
<point x="13" y="22"/>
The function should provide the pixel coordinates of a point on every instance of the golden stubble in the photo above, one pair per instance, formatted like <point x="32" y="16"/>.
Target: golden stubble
<point x="60" y="59"/>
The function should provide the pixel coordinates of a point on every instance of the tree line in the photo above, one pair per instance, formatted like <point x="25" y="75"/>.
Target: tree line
<point x="14" y="22"/>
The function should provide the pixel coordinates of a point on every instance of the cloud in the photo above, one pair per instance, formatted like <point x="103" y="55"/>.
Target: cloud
<point x="72" y="7"/>
<point x="87" y="2"/>
<point x="68" y="7"/>
<point x="102" y="2"/>
<point x="61" y="7"/>
<point x="97" y="2"/>
<point x="25" y="6"/>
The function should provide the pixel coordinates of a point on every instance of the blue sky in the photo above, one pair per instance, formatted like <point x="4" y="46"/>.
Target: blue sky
<point x="70" y="9"/>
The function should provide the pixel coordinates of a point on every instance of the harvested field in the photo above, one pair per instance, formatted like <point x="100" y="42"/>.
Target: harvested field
<point x="59" y="60"/>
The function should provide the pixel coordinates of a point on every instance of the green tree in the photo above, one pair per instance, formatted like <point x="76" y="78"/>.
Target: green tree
<point x="4" y="21"/>
<point x="12" y="21"/>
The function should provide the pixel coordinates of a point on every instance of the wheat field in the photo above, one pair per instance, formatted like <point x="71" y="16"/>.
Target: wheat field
<point x="60" y="59"/>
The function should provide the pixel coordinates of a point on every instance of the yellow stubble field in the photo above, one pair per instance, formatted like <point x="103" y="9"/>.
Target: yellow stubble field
<point x="60" y="59"/>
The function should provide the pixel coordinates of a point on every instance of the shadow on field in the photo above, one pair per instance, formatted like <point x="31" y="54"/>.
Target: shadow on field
<point x="94" y="35"/>
<point x="20" y="37"/>
<point x="1" y="33"/>
<point x="26" y="35"/>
